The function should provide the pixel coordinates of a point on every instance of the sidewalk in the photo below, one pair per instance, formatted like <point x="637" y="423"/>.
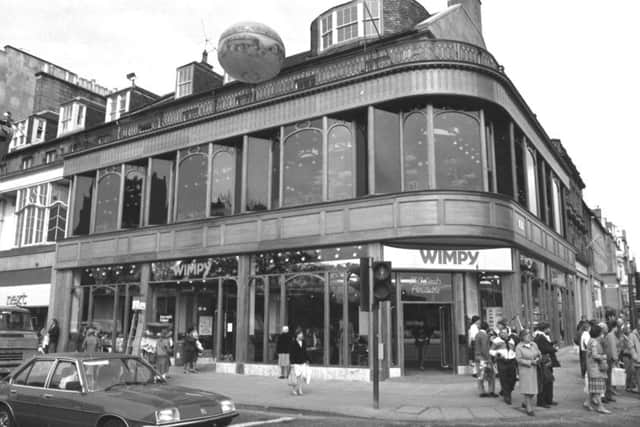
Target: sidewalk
<point x="425" y="398"/>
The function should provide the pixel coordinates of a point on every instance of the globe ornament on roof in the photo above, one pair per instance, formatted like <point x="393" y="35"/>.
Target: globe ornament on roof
<point x="251" y="52"/>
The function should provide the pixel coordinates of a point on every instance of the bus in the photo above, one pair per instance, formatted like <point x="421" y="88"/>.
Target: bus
<point x="18" y="340"/>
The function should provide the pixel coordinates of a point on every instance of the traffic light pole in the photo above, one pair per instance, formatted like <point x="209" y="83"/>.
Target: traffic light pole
<point x="376" y="361"/>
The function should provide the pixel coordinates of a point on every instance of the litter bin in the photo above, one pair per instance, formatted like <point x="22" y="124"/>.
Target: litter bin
<point x="178" y="355"/>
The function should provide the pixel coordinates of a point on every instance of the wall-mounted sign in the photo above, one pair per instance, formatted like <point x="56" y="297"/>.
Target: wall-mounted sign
<point x="25" y="295"/>
<point x="449" y="259"/>
<point x="195" y="268"/>
<point x="205" y="325"/>
<point x="138" y="304"/>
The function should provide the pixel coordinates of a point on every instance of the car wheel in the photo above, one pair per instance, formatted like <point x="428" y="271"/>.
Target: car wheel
<point x="112" y="422"/>
<point x="6" y="420"/>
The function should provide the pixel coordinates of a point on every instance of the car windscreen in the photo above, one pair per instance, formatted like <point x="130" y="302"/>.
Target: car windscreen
<point x="106" y="374"/>
<point x="15" y="321"/>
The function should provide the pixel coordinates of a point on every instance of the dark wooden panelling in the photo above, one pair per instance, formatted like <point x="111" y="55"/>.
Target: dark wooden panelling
<point x="417" y="213"/>
<point x="300" y="226"/>
<point x="466" y="212"/>
<point x="165" y="241"/>
<point x="270" y="229"/>
<point x="189" y="238"/>
<point x="334" y="222"/>
<point x="213" y="236"/>
<point x="243" y="232"/>
<point x="504" y="216"/>
<point x="144" y="243"/>
<point x="371" y="218"/>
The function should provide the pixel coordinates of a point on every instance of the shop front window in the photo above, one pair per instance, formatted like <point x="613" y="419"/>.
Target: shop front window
<point x="257" y="319"/>
<point x="82" y="205"/>
<point x="161" y="183"/>
<point x="108" y="203"/>
<point x="302" y="154"/>
<point x="223" y="182"/>
<point x="305" y="309"/>
<point x="340" y="161"/>
<point x="387" y="151"/>
<point x="458" y="152"/>
<point x="192" y="183"/>
<point x="416" y="152"/>
<point x="490" y="287"/>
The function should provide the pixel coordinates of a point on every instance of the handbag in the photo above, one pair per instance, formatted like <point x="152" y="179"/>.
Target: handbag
<point x="618" y="377"/>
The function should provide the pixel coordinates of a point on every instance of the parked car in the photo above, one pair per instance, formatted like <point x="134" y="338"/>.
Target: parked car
<point x="103" y="390"/>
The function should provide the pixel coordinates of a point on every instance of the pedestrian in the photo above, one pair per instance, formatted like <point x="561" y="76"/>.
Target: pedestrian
<point x="163" y="354"/>
<point x="54" y="334"/>
<point x="528" y="355"/>
<point x="299" y="363"/>
<point x="189" y="351"/>
<point x="421" y="339"/>
<point x="542" y="338"/>
<point x="596" y="370"/>
<point x="634" y="346"/>
<point x="91" y="343"/>
<point x="503" y="349"/>
<point x="612" y="351"/>
<point x="584" y="340"/>
<point x="471" y="334"/>
<point x="484" y="364"/>
<point x="282" y="348"/>
<point x="625" y="356"/>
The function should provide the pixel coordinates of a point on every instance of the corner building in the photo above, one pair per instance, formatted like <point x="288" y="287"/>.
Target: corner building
<point x="239" y="208"/>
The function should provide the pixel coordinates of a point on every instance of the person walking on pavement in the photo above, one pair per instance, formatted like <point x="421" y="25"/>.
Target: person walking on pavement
<point x="625" y="355"/>
<point x="163" y="353"/>
<point x="528" y="355"/>
<point x="421" y="340"/>
<point x="483" y="360"/>
<point x="299" y="363"/>
<point x="189" y="351"/>
<point x="91" y="343"/>
<point x="634" y="346"/>
<point x="503" y="349"/>
<point x="473" y="331"/>
<point x="584" y="340"/>
<point x="54" y="335"/>
<point x="612" y="351"/>
<point x="548" y="351"/>
<point x="596" y="370"/>
<point x="282" y="348"/>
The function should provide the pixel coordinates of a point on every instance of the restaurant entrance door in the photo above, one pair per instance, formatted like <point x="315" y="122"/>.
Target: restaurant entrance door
<point x="428" y="336"/>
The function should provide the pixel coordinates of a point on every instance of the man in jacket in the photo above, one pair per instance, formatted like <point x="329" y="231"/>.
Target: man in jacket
<point x="542" y="339"/>
<point x="612" y="351"/>
<point x="483" y="362"/>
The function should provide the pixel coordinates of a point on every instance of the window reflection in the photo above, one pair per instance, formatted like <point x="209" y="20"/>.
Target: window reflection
<point x="416" y="153"/>
<point x="82" y="204"/>
<point x="161" y="181"/>
<point x="222" y="186"/>
<point x="133" y="190"/>
<point x="302" y="153"/>
<point x="108" y="203"/>
<point x="387" y="151"/>
<point x="458" y="149"/>
<point x="192" y="184"/>
<point x="258" y="151"/>
<point x="340" y="162"/>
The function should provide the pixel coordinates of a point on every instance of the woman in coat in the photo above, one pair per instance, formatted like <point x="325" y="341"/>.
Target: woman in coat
<point x="528" y="356"/>
<point x="189" y="351"/>
<point x="299" y="363"/>
<point x="596" y="370"/>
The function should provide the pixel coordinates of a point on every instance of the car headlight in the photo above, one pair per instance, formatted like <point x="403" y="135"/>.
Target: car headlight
<point x="169" y="415"/>
<point x="227" y="406"/>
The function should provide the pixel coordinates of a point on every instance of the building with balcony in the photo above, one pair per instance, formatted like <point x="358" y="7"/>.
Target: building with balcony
<point x="240" y="208"/>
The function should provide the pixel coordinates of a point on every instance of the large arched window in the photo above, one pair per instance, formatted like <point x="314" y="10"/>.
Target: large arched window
<point x="108" y="200"/>
<point x="133" y="189"/>
<point x="192" y="183"/>
<point x="416" y="152"/>
<point x="340" y="162"/>
<point x="302" y="161"/>
<point x="458" y="151"/>
<point x="222" y="185"/>
<point x="532" y="192"/>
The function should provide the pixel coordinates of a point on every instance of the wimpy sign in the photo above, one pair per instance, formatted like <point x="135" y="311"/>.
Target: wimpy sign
<point x="449" y="259"/>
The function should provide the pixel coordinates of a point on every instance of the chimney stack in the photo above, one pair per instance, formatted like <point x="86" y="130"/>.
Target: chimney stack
<point x="473" y="9"/>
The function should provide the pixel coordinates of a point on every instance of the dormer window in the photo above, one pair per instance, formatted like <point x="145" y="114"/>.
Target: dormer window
<point x="359" y="18"/>
<point x="184" y="81"/>
<point x="117" y="105"/>
<point x="72" y="117"/>
<point x="38" y="132"/>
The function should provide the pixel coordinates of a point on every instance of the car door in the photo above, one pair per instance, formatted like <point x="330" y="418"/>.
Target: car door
<point x="64" y="398"/>
<point x="25" y="393"/>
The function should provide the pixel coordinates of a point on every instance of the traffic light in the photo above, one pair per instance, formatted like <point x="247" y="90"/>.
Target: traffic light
<point x="382" y="288"/>
<point x="360" y="273"/>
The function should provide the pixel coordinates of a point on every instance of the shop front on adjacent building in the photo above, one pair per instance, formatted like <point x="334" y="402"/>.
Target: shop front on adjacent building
<point x="29" y="289"/>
